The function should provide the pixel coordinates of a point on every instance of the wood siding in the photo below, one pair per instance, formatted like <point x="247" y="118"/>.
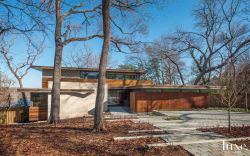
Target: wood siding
<point x="149" y="101"/>
<point x="110" y="82"/>
<point x="37" y="113"/>
<point x="11" y="116"/>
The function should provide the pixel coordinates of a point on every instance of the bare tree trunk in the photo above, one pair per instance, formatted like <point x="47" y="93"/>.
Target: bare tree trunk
<point x="99" y="119"/>
<point x="180" y="74"/>
<point x="198" y="78"/>
<point x="179" y="71"/>
<point x="9" y="101"/>
<point x="23" y="93"/>
<point x="55" y="100"/>
<point x="246" y="105"/>
<point x="229" y="118"/>
<point x="26" y="115"/>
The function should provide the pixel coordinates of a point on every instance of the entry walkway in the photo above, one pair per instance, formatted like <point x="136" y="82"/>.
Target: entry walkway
<point x="121" y="112"/>
<point x="189" y="138"/>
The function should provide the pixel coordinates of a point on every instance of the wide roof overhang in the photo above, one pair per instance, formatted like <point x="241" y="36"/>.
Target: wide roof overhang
<point x="40" y="68"/>
<point x="173" y="88"/>
<point x="48" y="90"/>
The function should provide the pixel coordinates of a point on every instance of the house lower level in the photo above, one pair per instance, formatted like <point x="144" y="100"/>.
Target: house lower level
<point x="123" y="88"/>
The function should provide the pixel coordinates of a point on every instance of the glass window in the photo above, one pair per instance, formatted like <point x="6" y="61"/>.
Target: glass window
<point x="111" y="76"/>
<point x="132" y="77"/>
<point x="115" y="76"/>
<point x="119" y="76"/>
<point x="89" y="75"/>
<point x="93" y="75"/>
<point x="122" y="76"/>
<point x="84" y="75"/>
<point x="39" y="99"/>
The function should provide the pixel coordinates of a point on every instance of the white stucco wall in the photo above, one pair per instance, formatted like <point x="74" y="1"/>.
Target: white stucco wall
<point x="76" y="104"/>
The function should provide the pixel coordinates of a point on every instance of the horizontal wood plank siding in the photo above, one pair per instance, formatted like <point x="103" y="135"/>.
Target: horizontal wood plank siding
<point x="37" y="113"/>
<point x="110" y="82"/>
<point x="45" y="82"/>
<point x="149" y="101"/>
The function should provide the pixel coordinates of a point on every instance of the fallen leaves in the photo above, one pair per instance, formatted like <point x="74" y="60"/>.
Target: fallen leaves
<point x="70" y="137"/>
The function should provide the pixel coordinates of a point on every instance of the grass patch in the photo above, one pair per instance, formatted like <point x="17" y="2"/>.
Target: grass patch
<point x="155" y="113"/>
<point x="222" y="108"/>
<point x="172" y="118"/>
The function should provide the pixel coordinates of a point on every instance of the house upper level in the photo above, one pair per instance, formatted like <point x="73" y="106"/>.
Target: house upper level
<point x="115" y="77"/>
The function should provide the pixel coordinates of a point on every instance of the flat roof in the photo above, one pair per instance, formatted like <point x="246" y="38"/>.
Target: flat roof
<point x="191" y="88"/>
<point x="171" y="87"/>
<point x="40" y="68"/>
<point x="48" y="90"/>
<point x="177" y="87"/>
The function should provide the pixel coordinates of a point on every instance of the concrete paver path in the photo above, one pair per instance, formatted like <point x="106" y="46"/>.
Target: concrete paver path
<point x="191" y="120"/>
<point x="184" y="131"/>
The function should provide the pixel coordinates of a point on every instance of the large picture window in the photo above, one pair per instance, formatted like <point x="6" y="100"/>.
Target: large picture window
<point x="89" y="75"/>
<point x="114" y="76"/>
<point x="122" y="76"/>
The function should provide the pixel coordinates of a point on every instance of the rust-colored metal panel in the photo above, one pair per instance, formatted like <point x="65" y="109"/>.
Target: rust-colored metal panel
<point x="143" y="105"/>
<point x="148" y="101"/>
<point x="156" y="105"/>
<point x="132" y="102"/>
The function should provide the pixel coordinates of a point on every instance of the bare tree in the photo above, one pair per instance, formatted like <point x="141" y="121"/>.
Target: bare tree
<point x="82" y="59"/>
<point x="113" y="12"/>
<point x="19" y="69"/>
<point x="85" y="58"/>
<point x="244" y="75"/>
<point x="232" y="89"/>
<point x="221" y="33"/>
<point x="245" y="82"/>
<point x="21" y="19"/>
<point x="62" y="38"/>
<point x="172" y="65"/>
<point x="98" y="118"/>
<point x="5" y="84"/>
<point x="154" y="66"/>
<point x="64" y="34"/>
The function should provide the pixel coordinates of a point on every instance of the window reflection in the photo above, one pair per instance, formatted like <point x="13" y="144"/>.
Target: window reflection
<point x="89" y="75"/>
<point x="115" y="76"/>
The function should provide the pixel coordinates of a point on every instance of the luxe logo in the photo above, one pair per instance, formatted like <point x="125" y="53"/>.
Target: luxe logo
<point x="230" y="146"/>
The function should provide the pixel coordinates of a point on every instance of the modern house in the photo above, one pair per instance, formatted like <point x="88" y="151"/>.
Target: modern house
<point x="123" y="88"/>
<point x="78" y="88"/>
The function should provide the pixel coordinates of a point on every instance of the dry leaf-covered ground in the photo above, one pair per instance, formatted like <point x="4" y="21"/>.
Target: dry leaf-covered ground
<point x="236" y="132"/>
<point x="74" y="137"/>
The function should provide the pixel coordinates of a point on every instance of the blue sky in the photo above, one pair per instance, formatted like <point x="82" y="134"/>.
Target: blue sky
<point x="177" y="13"/>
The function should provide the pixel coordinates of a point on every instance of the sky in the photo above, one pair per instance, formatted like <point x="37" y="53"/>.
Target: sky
<point x="176" y="13"/>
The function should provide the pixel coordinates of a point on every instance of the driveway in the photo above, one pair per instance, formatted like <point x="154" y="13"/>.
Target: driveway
<point x="183" y="132"/>
<point x="211" y="118"/>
